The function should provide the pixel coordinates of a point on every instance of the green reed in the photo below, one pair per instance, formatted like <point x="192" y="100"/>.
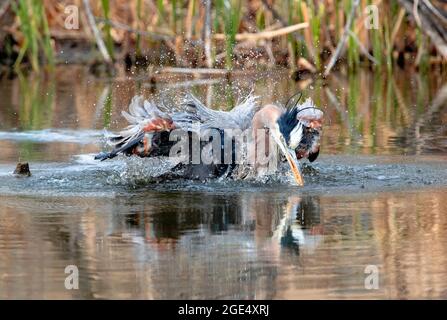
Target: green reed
<point x="353" y="53"/>
<point x="300" y="46"/>
<point x="294" y="15"/>
<point x="45" y="37"/>
<point x="174" y="17"/>
<point x="290" y="40"/>
<point x="34" y="26"/>
<point x="227" y="17"/>
<point x="160" y="9"/>
<point x="338" y="23"/>
<point x="376" y="40"/>
<point x="230" y="11"/>
<point x="260" y="19"/>
<point x="317" y="14"/>
<point x="138" y="40"/>
<point x="107" y="28"/>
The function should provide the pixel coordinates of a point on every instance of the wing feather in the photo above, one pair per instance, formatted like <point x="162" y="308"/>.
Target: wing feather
<point x="192" y="110"/>
<point x="143" y="115"/>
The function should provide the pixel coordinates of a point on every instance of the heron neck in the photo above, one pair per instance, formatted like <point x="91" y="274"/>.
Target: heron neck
<point x="267" y="117"/>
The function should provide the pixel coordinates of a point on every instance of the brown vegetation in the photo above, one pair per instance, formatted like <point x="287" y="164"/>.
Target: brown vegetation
<point x="301" y="34"/>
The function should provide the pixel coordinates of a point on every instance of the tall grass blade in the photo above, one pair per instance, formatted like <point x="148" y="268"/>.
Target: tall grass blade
<point x="107" y="28"/>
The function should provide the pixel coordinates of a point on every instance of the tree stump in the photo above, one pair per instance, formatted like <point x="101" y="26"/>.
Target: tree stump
<point x="22" y="169"/>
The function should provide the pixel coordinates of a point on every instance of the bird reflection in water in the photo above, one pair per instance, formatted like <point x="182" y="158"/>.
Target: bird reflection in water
<point x="289" y="224"/>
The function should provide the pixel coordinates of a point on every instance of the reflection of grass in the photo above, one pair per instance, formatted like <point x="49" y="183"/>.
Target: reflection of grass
<point x="422" y="93"/>
<point x="389" y="104"/>
<point x="376" y="103"/>
<point x="423" y="62"/>
<point x="353" y="99"/>
<point x="230" y="97"/>
<point x="35" y="109"/>
<point x="36" y="102"/>
<point x="108" y="110"/>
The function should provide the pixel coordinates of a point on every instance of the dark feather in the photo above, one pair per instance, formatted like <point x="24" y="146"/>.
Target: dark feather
<point x="126" y="148"/>
<point x="299" y="95"/>
<point x="313" y="156"/>
<point x="287" y="122"/>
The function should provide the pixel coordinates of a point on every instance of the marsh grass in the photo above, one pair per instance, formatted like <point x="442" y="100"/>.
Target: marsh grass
<point x="301" y="45"/>
<point x="317" y="13"/>
<point x="174" y="15"/>
<point x="183" y="23"/>
<point x="292" y="46"/>
<point x="376" y="40"/>
<point x="161" y="10"/>
<point x="352" y="50"/>
<point x="138" y="37"/>
<point x="107" y="110"/>
<point x="107" y="28"/>
<point x="36" y="43"/>
<point x="338" y="22"/>
<point x="230" y="13"/>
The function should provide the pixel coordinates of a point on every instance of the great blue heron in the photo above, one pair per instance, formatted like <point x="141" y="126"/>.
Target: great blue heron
<point x="296" y="129"/>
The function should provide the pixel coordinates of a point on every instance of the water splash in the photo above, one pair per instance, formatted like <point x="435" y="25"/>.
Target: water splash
<point x="53" y="135"/>
<point x="136" y="171"/>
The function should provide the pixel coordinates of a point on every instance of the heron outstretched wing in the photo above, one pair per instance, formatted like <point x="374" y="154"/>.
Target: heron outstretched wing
<point x="193" y="111"/>
<point x="146" y="120"/>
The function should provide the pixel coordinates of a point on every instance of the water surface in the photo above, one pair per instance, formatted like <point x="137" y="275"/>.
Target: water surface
<point x="376" y="196"/>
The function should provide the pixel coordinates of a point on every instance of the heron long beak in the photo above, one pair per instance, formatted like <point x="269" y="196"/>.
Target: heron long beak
<point x="293" y="162"/>
<point x="294" y="166"/>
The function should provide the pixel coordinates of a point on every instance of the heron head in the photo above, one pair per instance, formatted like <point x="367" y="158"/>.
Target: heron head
<point x="298" y="134"/>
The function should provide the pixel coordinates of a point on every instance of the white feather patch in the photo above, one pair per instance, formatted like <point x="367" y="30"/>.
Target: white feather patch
<point x="295" y="136"/>
<point x="309" y="112"/>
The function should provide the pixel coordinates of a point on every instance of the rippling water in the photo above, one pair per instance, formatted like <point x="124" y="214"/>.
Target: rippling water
<point x="376" y="196"/>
